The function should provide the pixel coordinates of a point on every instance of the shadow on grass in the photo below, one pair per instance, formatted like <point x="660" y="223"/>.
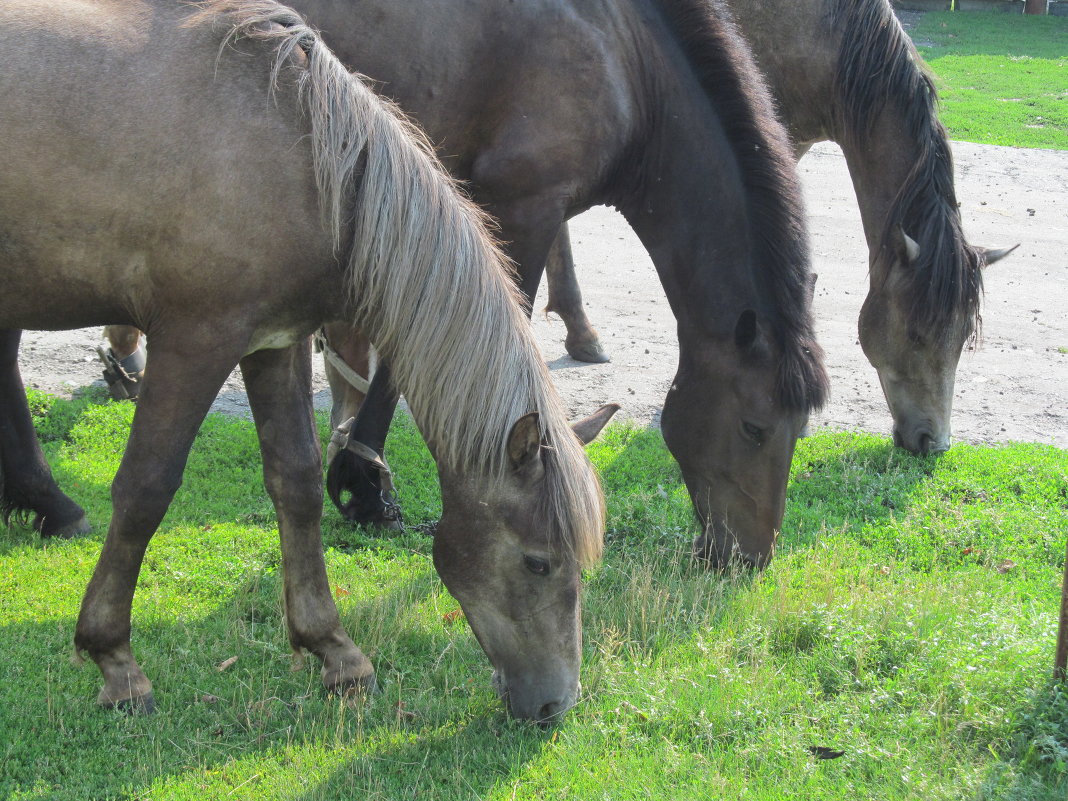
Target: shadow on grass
<point x="57" y="741"/>
<point x="1034" y="764"/>
<point x="60" y="746"/>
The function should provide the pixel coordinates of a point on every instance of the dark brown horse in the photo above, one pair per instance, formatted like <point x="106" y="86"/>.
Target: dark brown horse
<point x="548" y="107"/>
<point x="220" y="181"/>
<point x="844" y="70"/>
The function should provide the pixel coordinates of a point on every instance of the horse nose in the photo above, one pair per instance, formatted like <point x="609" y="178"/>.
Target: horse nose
<point x="541" y="708"/>
<point x="930" y="446"/>
<point x="922" y="442"/>
<point x="552" y="713"/>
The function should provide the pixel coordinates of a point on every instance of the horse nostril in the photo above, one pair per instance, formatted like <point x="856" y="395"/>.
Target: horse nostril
<point x="926" y="444"/>
<point x="550" y="713"/>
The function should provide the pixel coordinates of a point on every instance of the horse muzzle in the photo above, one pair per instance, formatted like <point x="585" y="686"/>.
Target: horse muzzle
<point x="721" y="547"/>
<point x="539" y="701"/>
<point x="921" y="440"/>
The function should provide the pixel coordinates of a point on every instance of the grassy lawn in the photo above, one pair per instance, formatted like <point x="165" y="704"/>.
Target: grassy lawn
<point x="908" y="623"/>
<point x="1003" y="78"/>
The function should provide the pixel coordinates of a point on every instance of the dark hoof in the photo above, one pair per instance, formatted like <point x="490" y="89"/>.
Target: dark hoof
<point x="62" y="531"/>
<point x="142" y="705"/>
<point x="589" y="351"/>
<point x="123" y="376"/>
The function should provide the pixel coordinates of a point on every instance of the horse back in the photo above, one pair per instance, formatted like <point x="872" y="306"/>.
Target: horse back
<point x="141" y="164"/>
<point x="515" y="96"/>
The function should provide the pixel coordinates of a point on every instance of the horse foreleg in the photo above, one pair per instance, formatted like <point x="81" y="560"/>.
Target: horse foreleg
<point x="565" y="299"/>
<point x="26" y="481"/>
<point x="186" y="375"/>
<point x="278" y="383"/>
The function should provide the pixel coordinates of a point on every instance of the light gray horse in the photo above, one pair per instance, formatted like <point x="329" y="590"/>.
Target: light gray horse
<point x="216" y="178"/>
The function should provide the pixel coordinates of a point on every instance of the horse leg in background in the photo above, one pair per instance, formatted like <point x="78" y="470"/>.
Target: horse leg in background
<point x="354" y="348"/>
<point x="124" y="361"/>
<point x="26" y="481"/>
<point x="353" y="481"/>
<point x="187" y="373"/>
<point x="278" y="382"/>
<point x="565" y="299"/>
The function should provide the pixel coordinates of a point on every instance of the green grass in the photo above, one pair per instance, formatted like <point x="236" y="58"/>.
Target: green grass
<point x="890" y="627"/>
<point x="1002" y="78"/>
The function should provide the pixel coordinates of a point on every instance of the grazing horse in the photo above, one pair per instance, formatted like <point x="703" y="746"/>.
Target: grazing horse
<point x="214" y="176"/>
<point x="844" y="70"/>
<point x="548" y="107"/>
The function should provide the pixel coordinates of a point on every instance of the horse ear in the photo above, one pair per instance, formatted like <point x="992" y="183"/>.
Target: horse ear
<point x="588" y="428"/>
<point x="749" y="337"/>
<point x="524" y="443"/>
<point x="810" y="288"/>
<point x="991" y="255"/>
<point x="906" y="245"/>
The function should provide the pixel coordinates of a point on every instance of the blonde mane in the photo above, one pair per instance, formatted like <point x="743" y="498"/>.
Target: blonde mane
<point x="428" y="284"/>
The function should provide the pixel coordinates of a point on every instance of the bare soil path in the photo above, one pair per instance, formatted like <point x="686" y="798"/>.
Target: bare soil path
<point x="1014" y="387"/>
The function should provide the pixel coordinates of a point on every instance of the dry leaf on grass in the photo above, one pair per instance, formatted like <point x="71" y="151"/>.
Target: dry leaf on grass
<point x="225" y="664"/>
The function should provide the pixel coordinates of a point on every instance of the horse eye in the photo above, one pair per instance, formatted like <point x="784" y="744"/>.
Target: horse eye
<point x="753" y="432"/>
<point x="539" y="567"/>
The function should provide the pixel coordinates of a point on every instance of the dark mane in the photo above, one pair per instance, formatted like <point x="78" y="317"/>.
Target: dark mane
<point x="729" y="76"/>
<point x="878" y="67"/>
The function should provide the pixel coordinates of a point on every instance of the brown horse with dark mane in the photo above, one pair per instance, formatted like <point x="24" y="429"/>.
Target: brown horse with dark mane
<point x="548" y="107"/>
<point x="212" y="175"/>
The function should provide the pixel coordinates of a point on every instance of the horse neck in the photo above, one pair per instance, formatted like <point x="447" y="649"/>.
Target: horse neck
<point x="886" y="123"/>
<point x="687" y="203"/>
<point x="688" y="200"/>
<point x="881" y="161"/>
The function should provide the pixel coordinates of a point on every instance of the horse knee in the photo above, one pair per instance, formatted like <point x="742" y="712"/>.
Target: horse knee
<point x="296" y="492"/>
<point x="141" y="503"/>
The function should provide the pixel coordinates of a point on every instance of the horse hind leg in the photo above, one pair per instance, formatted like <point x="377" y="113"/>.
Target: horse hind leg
<point x="173" y="402"/>
<point x="278" y="383"/>
<point x="26" y="482"/>
<point x="565" y="299"/>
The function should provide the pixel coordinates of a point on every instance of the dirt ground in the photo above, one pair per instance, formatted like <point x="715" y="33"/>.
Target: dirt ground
<point x="1013" y="387"/>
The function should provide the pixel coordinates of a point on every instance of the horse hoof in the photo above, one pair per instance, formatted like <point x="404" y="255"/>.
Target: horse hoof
<point x="63" y="531"/>
<point x="589" y="351"/>
<point x="141" y="705"/>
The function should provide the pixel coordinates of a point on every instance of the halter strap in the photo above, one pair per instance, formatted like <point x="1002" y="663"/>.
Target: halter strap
<point x="342" y="441"/>
<point x="357" y="381"/>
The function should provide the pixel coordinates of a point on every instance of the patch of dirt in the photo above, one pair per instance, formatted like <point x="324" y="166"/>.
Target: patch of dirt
<point x="1012" y="388"/>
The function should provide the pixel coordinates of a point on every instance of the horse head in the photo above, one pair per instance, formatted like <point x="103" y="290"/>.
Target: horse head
<point x="733" y="431"/>
<point x="500" y="551"/>
<point x="915" y="355"/>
